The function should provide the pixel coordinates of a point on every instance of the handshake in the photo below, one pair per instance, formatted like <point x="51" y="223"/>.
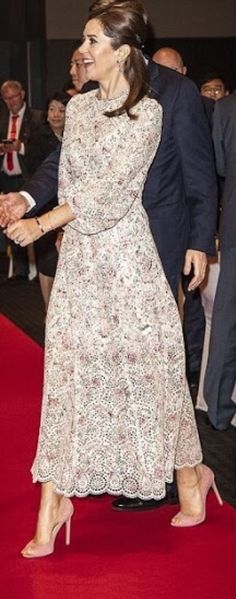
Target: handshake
<point x="13" y="207"/>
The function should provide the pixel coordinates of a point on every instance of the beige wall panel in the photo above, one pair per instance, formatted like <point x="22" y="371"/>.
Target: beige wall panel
<point x="170" y="18"/>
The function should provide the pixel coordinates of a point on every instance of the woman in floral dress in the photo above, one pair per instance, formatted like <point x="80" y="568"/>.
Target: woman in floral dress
<point x="117" y="416"/>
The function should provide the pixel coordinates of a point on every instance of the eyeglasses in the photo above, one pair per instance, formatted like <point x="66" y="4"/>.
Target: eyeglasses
<point x="212" y="91"/>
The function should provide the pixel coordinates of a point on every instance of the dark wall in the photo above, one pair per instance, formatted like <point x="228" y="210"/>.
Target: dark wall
<point x="58" y="56"/>
<point x="22" y="46"/>
<point x="203" y="55"/>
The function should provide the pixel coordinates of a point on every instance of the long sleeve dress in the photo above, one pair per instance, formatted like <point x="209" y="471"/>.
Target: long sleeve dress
<point x="117" y="416"/>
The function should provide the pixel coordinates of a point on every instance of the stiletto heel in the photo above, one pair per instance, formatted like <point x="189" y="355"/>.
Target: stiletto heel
<point x="207" y="481"/>
<point x="68" y="529"/>
<point x="217" y="494"/>
<point x="42" y="549"/>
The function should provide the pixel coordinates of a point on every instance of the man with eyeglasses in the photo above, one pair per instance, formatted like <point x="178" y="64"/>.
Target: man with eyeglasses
<point x="214" y="86"/>
<point x="16" y="125"/>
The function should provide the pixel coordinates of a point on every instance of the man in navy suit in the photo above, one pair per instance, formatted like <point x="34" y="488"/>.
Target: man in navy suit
<point x="193" y="313"/>
<point x="180" y="194"/>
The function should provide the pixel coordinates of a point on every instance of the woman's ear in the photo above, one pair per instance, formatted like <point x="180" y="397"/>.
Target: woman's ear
<point x="123" y="52"/>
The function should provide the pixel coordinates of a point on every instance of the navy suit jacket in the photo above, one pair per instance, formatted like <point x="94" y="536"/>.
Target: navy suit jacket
<point x="180" y="194"/>
<point x="224" y="136"/>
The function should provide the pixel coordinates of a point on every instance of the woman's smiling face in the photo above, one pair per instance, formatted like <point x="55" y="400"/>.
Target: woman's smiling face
<point x="100" y="59"/>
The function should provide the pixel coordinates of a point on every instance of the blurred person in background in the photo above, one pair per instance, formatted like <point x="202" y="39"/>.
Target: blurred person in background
<point x="17" y="124"/>
<point x="214" y="86"/>
<point x="220" y="376"/>
<point x="171" y="58"/>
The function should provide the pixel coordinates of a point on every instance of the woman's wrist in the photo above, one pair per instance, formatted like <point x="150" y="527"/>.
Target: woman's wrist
<point x="58" y="217"/>
<point x="44" y="223"/>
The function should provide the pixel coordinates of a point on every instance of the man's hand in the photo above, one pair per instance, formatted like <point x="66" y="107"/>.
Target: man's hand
<point x="13" y="146"/>
<point x="23" y="232"/>
<point x="197" y="260"/>
<point x="12" y="207"/>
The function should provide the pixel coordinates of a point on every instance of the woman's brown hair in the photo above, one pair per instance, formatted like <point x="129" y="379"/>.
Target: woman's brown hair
<point x="125" y="22"/>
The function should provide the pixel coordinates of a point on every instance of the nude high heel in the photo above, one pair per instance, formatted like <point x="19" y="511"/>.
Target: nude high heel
<point x="207" y="481"/>
<point x="41" y="550"/>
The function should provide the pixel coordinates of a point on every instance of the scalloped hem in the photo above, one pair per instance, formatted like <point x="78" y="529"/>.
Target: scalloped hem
<point x="106" y="490"/>
<point x="114" y="492"/>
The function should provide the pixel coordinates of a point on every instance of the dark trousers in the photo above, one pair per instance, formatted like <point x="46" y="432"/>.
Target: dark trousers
<point x="193" y="321"/>
<point x="220" y="376"/>
<point x="193" y="327"/>
<point x="173" y="261"/>
<point x="20" y="255"/>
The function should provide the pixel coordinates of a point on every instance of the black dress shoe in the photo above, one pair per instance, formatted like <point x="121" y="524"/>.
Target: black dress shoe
<point x="126" y="504"/>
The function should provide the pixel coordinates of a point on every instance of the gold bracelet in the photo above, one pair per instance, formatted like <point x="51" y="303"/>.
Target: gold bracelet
<point x="40" y="225"/>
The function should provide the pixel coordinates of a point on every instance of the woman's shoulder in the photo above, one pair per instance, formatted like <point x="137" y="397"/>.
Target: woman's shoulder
<point x="148" y="108"/>
<point x="150" y="104"/>
<point x="79" y="100"/>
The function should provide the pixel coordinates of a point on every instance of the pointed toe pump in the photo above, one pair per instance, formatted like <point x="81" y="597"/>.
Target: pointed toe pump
<point x="207" y="481"/>
<point x="34" y="549"/>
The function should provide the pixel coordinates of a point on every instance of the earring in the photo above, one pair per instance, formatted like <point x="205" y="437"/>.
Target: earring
<point x="120" y="65"/>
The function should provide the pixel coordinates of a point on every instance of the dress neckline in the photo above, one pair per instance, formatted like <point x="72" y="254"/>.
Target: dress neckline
<point x="111" y="103"/>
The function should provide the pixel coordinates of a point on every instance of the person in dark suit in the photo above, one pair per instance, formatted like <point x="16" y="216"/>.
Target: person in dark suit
<point x="180" y="193"/>
<point x="193" y="313"/>
<point x="220" y="377"/>
<point x="17" y="124"/>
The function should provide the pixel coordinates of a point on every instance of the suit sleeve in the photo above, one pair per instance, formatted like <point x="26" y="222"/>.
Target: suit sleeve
<point x="193" y="139"/>
<point x="44" y="183"/>
<point x="218" y="140"/>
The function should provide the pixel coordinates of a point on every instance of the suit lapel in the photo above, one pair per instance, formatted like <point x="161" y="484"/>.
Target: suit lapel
<point x="4" y="124"/>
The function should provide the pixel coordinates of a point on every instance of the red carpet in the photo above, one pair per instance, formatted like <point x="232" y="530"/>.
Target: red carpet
<point x="112" y="555"/>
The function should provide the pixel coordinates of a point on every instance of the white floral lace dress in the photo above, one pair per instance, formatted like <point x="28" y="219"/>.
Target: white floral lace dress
<point x="117" y="416"/>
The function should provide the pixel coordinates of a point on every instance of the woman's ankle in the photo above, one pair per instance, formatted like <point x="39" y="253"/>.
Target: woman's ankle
<point x="188" y="477"/>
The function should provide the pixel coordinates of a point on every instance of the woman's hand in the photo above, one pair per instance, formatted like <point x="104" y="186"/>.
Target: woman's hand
<point x="24" y="231"/>
<point x="59" y="240"/>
